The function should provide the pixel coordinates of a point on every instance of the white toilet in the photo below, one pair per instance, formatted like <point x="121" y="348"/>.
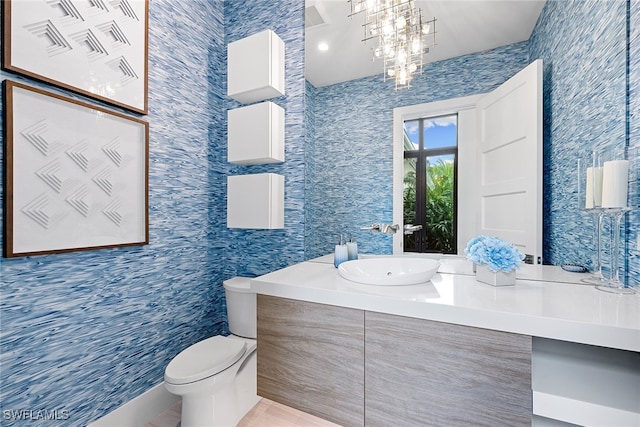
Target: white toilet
<point x="216" y="377"/>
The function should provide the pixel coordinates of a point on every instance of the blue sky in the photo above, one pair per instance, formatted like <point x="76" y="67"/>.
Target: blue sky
<point x="438" y="132"/>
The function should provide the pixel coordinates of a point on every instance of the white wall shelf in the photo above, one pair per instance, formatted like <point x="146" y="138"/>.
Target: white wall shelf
<point x="256" y="134"/>
<point x="585" y="385"/>
<point x="255" y="68"/>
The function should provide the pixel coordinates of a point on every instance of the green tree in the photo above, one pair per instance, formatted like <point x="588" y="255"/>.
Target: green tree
<point x="439" y="209"/>
<point x="440" y="185"/>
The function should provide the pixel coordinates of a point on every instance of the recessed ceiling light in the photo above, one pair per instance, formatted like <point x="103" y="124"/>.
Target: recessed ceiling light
<point x="323" y="46"/>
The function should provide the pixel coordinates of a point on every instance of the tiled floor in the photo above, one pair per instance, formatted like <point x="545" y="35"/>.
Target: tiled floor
<point x="265" y="414"/>
<point x="169" y="418"/>
<point x="271" y="414"/>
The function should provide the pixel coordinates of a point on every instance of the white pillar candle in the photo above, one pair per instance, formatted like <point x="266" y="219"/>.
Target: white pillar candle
<point x="597" y="186"/>
<point x="593" y="188"/>
<point x="615" y="177"/>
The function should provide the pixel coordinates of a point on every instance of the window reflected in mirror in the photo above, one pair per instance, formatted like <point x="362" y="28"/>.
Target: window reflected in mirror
<point x="429" y="191"/>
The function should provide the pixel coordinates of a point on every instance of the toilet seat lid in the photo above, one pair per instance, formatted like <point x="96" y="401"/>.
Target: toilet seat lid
<point x="204" y="359"/>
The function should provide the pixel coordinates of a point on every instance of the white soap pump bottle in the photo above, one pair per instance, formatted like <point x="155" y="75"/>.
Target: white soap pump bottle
<point x="352" y="249"/>
<point x="341" y="253"/>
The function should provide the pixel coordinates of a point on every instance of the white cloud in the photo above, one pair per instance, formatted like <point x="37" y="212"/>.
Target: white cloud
<point x="411" y="127"/>
<point x="441" y="121"/>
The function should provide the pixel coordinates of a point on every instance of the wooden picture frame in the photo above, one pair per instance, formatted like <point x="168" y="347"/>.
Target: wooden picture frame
<point x="95" y="48"/>
<point x="76" y="175"/>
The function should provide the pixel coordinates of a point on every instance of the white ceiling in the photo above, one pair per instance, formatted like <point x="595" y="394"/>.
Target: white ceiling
<point x="463" y="27"/>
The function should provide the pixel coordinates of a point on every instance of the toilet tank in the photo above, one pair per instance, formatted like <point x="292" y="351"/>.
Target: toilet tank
<point x="241" y="307"/>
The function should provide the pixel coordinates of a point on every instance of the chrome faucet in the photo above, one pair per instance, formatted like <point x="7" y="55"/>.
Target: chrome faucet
<point x="383" y="228"/>
<point x="389" y="228"/>
<point x="410" y="228"/>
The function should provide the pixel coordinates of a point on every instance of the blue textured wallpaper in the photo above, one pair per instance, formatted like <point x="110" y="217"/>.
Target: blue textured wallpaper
<point x="633" y="218"/>
<point x="584" y="48"/>
<point x="350" y="160"/>
<point x="88" y="331"/>
<point x="310" y="144"/>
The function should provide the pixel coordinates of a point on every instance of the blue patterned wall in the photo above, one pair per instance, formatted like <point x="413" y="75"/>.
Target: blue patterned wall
<point x="585" y="39"/>
<point x="88" y="331"/>
<point x="310" y="144"/>
<point x="350" y="161"/>
<point x="92" y="330"/>
<point x="633" y="219"/>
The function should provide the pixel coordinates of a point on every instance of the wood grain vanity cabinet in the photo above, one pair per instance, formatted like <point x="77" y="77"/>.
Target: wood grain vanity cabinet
<point x="424" y="373"/>
<point x="356" y="367"/>
<point x="311" y="358"/>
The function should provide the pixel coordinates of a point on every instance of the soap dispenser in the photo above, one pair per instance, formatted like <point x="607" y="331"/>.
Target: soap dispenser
<point x="352" y="249"/>
<point x="341" y="253"/>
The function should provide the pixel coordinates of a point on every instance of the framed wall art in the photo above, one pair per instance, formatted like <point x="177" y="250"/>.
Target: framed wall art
<point x="76" y="175"/>
<point x="97" y="48"/>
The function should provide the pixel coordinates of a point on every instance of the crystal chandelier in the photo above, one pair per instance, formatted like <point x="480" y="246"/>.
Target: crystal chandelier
<point x="402" y="37"/>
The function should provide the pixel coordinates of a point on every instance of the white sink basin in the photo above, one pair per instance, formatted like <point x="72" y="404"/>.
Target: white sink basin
<point x="389" y="271"/>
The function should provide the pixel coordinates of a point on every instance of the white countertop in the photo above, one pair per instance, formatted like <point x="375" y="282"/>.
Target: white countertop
<point x="545" y="302"/>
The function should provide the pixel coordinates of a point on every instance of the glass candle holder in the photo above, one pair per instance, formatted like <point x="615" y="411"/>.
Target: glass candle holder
<point x="590" y="201"/>
<point x="611" y="281"/>
<point x="614" y="205"/>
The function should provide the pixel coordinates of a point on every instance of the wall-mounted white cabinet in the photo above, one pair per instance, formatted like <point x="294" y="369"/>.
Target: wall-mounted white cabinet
<point x="255" y="67"/>
<point x="256" y="134"/>
<point x="255" y="201"/>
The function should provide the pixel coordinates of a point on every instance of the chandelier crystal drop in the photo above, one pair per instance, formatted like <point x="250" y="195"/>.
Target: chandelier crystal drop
<point x="402" y="37"/>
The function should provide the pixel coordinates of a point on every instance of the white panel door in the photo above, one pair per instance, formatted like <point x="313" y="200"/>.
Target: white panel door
<point x="510" y="161"/>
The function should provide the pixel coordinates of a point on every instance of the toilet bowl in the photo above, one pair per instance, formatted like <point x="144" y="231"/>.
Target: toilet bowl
<point x="216" y="376"/>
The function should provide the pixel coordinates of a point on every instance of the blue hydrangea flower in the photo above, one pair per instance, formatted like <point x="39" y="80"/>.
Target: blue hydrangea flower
<point x="497" y="254"/>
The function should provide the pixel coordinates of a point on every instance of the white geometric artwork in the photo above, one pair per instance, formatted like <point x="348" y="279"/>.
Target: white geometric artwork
<point x="76" y="175"/>
<point x="95" y="47"/>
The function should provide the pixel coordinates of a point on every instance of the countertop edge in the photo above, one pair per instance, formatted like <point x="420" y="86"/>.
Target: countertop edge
<point x="535" y="325"/>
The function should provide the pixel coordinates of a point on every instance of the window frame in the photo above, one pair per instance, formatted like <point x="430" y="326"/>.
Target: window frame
<point x="467" y="188"/>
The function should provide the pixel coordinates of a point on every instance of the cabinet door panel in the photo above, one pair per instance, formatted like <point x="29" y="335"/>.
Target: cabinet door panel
<point x="420" y="372"/>
<point x="311" y="357"/>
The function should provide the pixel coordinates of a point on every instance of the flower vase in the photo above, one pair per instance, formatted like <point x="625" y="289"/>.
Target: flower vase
<point x="495" y="278"/>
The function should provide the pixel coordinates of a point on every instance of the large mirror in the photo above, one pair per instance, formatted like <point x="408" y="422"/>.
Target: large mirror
<point x="349" y="157"/>
<point x="352" y="171"/>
